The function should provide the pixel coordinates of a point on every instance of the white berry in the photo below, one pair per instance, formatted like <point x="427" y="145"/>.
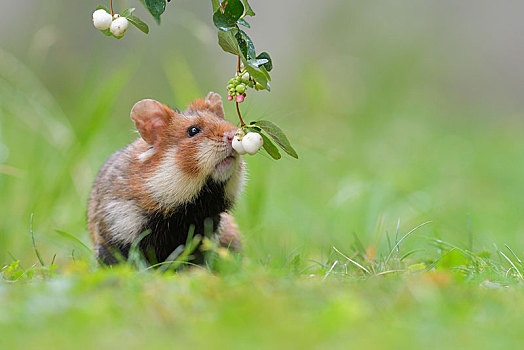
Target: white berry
<point x="237" y="145"/>
<point x="252" y="142"/>
<point x="119" y="26"/>
<point x="101" y="19"/>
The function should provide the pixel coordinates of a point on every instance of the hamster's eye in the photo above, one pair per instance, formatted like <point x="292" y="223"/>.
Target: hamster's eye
<point x="193" y="130"/>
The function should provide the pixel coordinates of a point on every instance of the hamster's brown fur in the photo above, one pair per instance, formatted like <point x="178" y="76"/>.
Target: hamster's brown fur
<point x="168" y="182"/>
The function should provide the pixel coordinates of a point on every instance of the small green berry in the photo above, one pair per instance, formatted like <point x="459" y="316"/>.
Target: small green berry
<point x="241" y="88"/>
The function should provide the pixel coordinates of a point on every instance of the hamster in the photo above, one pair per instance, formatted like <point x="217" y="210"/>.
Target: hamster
<point x="181" y="175"/>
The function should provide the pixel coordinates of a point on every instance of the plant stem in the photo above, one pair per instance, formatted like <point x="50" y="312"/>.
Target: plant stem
<point x="111" y="6"/>
<point x="240" y="116"/>
<point x="238" y="67"/>
<point x="238" y="109"/>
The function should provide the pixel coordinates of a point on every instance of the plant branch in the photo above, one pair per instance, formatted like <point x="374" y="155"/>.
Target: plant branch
<point x="240" y="116"/>
<point x="238" y="66"/>
<point x="238" y="109"/>
<point x="111" y="6"/>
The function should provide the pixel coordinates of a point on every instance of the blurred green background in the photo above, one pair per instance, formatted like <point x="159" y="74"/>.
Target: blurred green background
<point x="399" y="110"/>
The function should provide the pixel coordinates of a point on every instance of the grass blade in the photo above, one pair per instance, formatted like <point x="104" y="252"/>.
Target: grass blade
<point x="73" y="238"/>
<point x="331" y="269"/>
<point x="512" y="252"/>
<point x="404" y="237"/>
<point x="34" y="243"/>
<point x="511" y="263"/>
<point x="352" y="261"/>
<point x="397" y="232"/>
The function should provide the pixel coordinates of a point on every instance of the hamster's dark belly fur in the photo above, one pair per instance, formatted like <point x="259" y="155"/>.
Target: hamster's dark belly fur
<point x="171" y="230"/>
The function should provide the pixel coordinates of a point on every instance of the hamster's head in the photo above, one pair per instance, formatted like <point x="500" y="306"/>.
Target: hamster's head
<point x="195" y="143"/>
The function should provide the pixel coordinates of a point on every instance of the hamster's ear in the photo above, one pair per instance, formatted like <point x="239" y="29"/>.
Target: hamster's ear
<point x="212" y="103"/>
<point x="151" y="118"/>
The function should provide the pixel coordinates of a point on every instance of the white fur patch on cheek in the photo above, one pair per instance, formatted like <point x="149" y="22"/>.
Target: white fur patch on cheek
<point x="223" y="172"/>
<point x="206" y="157"/>
<point x="210" y="155"/>
<point x="169" y="186"/>
<point x="146" y="155"/>
<point x="124" y="220"/>
<point x="236" y="183"/>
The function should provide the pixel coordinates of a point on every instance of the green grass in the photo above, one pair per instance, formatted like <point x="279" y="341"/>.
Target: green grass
<point x="399" y="226"/>
<point x="460" y="300"/>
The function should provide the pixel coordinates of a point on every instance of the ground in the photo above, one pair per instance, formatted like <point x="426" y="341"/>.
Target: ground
<point x="251" y="306"/>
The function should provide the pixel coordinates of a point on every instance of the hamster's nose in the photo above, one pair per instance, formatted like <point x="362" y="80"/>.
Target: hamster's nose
<point x="229" y="137"/>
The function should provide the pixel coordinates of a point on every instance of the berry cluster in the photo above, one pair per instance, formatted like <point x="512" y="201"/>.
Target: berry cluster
<point x="116" y="24"/>
<point x="247" y="143"/>
<point x="237" y="86"/>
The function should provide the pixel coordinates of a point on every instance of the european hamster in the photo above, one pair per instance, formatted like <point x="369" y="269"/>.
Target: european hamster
<point x="181" y="172"/>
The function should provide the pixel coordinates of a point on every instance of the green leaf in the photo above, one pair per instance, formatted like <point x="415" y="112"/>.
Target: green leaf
<point x="256" y="74"/>
<point x="227" y="19"/>
<point x="278" y="135"/>
<point x="128" y="12"/>
<point x="137" y="22"/>
<point x="250" y="46"/>
<point x="270" y="147"/>
<point x="107" y="32"/>
<point x="216" y="5"/>
<point x="265" y="72"/>
<point x="244" y="23"/>
<point x="155" y="7"/>
<point x="269" y="64"/>
<point x="242" y="44"/>
<point x="257" y="62"/>
<point x="249" y="10"/>
<point x="228" y="42"/>
<point x="245" y="44"/>
<point x="252" y="128"/>
<point x="417" y="267"/>
<point x="452" y="259"/>
<point x="103" y="7"/>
